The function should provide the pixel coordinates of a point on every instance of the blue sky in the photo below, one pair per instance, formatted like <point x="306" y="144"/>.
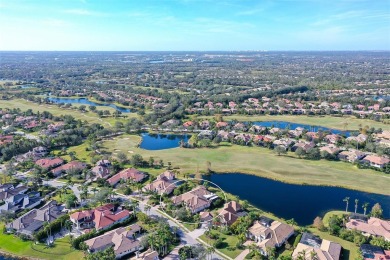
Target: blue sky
<point x="154" y="25"/>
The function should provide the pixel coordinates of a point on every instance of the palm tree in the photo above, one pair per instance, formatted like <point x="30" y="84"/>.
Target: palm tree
<point x="135" y="205"/>
<point x="356" y="204"/>
<point x="94" y="190"/>
<point x="346" y="200"/>
<point x="147" y="209"/>
<point x="365" y="206"/>
<point x="68" y="225"/>
<point x="292" y="222"/>
<point x="210" y="251"/>
<point x="313" y="255"/>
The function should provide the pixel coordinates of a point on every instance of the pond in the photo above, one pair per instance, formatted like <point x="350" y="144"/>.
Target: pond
<point x="162" y="141"/>
<point x="85" y="101"/>
<point x="4" y="257"/>
<point x="301" y="202"/>
<point x="292" y="126"/>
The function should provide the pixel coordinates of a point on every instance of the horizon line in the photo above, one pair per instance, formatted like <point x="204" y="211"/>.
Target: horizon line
<point x="292" y="50"/>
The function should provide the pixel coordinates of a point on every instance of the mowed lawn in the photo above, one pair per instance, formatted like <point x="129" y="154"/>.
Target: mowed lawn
<point x="342" y="123"/>
<point x="261" y="162"/>
<point x="61" y="249"/>
<point x="57" y="111"/>
<point x="350" y="250"/>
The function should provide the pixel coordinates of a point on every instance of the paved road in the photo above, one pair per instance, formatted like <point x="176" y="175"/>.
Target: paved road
<point x="186" y="238"/>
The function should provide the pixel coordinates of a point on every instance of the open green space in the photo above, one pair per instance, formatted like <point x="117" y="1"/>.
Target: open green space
<point x="228" y="246"/>
<point x="329" y="214"/>
<point x="262" y="162"/>
<point x="57" y="111"/>
<point x="61" y="249"/>
<point x="342" y="123"/>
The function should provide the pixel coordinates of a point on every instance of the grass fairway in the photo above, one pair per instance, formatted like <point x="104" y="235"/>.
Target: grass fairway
<point x="55" y="110"/>
<point x="262" y="162"/>
<point x="342" y="123"/>
<point x="61" y="250"/>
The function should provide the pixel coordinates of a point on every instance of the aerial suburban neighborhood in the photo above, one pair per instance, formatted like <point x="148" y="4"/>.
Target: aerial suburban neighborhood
<point x="180" y="129"/>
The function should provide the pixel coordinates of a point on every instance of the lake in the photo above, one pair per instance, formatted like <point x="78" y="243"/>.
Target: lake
<point x="3" y="257"/>
<point x="162" y="141"/>
<point x="301" y="202"/>
<point x="85" y="101"/>
<point x="292" y="126"/>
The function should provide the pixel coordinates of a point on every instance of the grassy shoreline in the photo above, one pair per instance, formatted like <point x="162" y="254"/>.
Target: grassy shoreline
<point x="333" y="122"/>
<point x="260" y="162"/>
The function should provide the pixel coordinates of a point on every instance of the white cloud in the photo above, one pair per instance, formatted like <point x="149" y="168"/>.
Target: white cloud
<point x="84" y="12"/>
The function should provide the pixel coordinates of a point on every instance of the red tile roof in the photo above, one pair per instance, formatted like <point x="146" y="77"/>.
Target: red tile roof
<point x="126" y="174"/>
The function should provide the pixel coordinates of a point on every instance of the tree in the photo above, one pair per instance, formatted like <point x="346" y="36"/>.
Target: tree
<point x="122" y="158"/>
<point x="300" y="152"/>
<point x="147" y="209"/>
<point x="365" y="206"/>
<point x="346" y="200"/>
<point x="292" y="222"/>
<point x="70" y="200"/>
<point x="356" y="204"/>
<point x="101" y="196"/>
<point x="107" y="254"/>
<point x="317" y="223"/>
<point x="137" y="160"/>
<point x="280" y="150"/>
<point x="377" y="211"/>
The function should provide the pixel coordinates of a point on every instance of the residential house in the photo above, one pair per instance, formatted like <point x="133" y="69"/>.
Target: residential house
<point x="205" y="217"/>
<point x="330" y="148"/>
<point x="375" y="161"/>
<point x="371" y="227"/>
<point x="351" y="155"/>
<point x="361" y="138"/>
<point x="102" y="169"/>
<point x="323" y="249"/>
<point x="148" y="255"/>
<point x="304" y="145"/>
<point x="163" y="184"/>
<point x="99" y="218"/>
<point x="230" y="213"/>
<point x="70" y="166"/>
<point x="34" y="220"/>
<point x="48" y="163"/>
<point x="8" y="190"/>
<point x="244" y="138"/>
<point x="332" y="138"/>
<point x="371" y="252"/>
<point x="221" y="125"/>
<point x="206" y="134"/>
<point x="128" y="174"/>
<point x="384" y="135"/>
<point x="224" y="135"/>
<point x="257" y="129"/>
<point x="171" y="123"/>
<point x="123" y="240"/>
<point x="195" y="200"/>
<point x="21" y="201"/>
<point x="284" y="142"/>
<point x="269" y="234"/>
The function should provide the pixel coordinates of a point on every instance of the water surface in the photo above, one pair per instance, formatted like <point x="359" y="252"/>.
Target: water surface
<point x="85" y="101"/>
<point x="301" y="202"/>
<point x="292" y="126"/>
<point x="162" y="141"/>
